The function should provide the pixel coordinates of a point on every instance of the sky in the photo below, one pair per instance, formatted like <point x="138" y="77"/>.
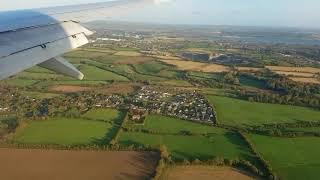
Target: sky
<point x="274" y="13"/>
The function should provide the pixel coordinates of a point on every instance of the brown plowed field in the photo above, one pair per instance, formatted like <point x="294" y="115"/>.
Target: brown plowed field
<point x="204" y="173"/>
<point x="69" y="88"/>
<point x="20" y="164"/>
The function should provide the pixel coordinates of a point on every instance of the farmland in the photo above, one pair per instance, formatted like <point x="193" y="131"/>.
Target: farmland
<point x="197" y="66"/>
<point x="207" y="142"/>
<point x="240" y="112"/>
<point x="53" y="164"/>
<point x="298" y="74"/>
<point x="63" y="131"/>
<point x="94" y="73"/>
<point x="107" y="115"/>
<point x="288" y="156"/>
<point x="169" y="125"/>
<point x="139" y="95"/>
<point x="191" y="147"/>
<point x="203" y="173"/>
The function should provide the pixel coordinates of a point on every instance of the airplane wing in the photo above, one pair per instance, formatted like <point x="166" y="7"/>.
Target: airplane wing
<point x="40" y="36"/>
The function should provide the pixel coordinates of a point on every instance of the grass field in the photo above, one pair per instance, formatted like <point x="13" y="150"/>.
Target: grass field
<point x="150" y="67"/>
<point x="201" y="75"/>
<point x="79" y="82"/>
<point x="39" y="95"/>
<point x="174" y="83"/>
<point x="306" y="129"/>
<point x="239" y="112"/>
<point x="63" y="131"/>
<point x="290" y="158"/>
<point x="20" y="82"/>
<point x="216" y="142"/>
<point x="94" y="73"/>
<point x="87" y="54"/>
<point x="41" y="76"/>
<point x="228" y="145"/>
<point x="134" y="60"/>
<point x="108" y="115"/>
<point x="170" y="125"/>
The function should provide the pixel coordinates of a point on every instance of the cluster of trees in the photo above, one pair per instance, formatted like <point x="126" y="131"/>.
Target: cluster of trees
<point x="8" y="125"/>
<point x="219" y="161"/>
<point x="268" y="97"/>
<point x="290" y="87"/>
<point x="283" y="130"/>
<point x="265" y="164"/>
<point x="231" y="78"/>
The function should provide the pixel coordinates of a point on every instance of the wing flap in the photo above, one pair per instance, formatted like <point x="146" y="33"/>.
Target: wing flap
<point x="20" y="61"/>
<point x="62" y="66"/>
<point x="16" y="41"/>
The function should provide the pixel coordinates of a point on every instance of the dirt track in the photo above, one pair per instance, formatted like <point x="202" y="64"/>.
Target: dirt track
<point x="75" y="165"/>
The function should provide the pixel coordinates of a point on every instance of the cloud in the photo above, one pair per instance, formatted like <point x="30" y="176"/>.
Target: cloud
<point x="162" y="1"/>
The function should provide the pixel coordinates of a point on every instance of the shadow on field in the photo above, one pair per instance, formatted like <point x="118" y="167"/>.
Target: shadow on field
<point x="132" y="143"/>
<point x="246" y="152"/>
<point x="105" y="140"/>
<point x="112" y="132"/>
<point x="144" y="163"/>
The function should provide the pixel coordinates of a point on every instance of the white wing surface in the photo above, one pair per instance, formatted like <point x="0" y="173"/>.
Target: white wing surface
<point x="40" y="36"/>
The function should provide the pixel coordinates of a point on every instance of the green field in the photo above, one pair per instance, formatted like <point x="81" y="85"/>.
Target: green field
<point x="174" y="83"/>
<point x="63" y="131"/>
<point x="290" y="158"/>
<point x="108" y="115"/>
<point x="80" y="82"/>
<point x="152" y="68"/>
<point x="220" y="144"/>
<point x="216" y="142"/>
<point x="202" y="75"/>
<point x="39" y="95"/>
<point x="41" y="76"/>
<point x="306" y="129"/>
<point x="20" y="82"/>
<point x="167" y="125"/>
<point x="94" y="73"/>
<point x="38" y="69"/>
<point x="239" y="112"/>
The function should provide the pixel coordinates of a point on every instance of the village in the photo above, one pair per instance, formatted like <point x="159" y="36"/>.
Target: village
<point x="184" y="105"/>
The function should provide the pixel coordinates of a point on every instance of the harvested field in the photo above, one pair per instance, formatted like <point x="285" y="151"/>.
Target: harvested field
<point x="204" y="173"/>
<point x="306" y="80"/>
<point x="119" y="88"/>
<point x="69" y="88"/>
<point x="295" y="74"/>
<point x="294" y="69"/>
<point x="197" y="66"/>
<point x="128" y="53"/>
<point x="250" y="69"/>
<point x="168" y="57"/>
<point x="19" y="164"/>
<point x="134" y="60"/>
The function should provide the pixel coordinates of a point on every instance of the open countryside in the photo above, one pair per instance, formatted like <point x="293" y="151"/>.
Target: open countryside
<point x="240" y="112"/>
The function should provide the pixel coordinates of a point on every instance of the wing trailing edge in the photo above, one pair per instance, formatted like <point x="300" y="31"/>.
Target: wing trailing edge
<point x="62" y="66"/>
<point x="34" y="47"/>
<point x="40" y="36"/>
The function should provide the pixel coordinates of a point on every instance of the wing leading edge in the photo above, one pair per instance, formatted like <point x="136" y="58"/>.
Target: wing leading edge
<point x="39" y="37"/>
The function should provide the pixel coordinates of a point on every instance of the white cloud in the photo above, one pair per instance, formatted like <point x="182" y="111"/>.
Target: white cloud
<point x="162" y="1"/>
